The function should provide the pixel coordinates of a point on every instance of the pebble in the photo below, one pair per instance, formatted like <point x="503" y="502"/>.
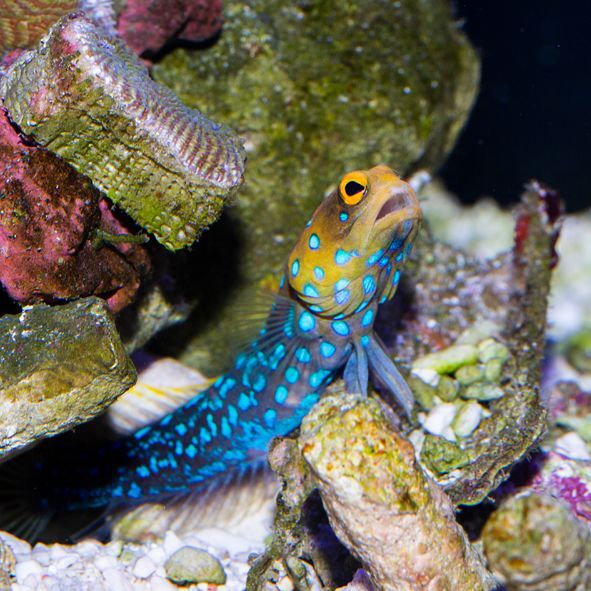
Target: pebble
<point x="119" y="566"/>
<point x="482" y="391"/>
<point x="144" y="567"/>
<point x="448" y="389"/>
<point x="439" y="419"/>
<point x="427" y="376"/>
<point x="27" y="567"/>
<point x="492" y="349"/>
<point x="467" y="419"/>
<point x="191" y="565"/>
<point x="470" y="374"/>
<point x="448" y="360"/>
<point x="116" y="579"/>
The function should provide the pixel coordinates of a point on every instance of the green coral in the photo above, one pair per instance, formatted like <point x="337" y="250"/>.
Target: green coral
<point x="90" y="100"/>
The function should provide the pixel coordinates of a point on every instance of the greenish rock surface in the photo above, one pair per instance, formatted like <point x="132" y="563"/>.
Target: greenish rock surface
<point x="315" y="89"/>
<point x="533" y="542"/>
<point x="59" y="367"/>
<point x="86" y="97"/>
<point x="191" y="565"/>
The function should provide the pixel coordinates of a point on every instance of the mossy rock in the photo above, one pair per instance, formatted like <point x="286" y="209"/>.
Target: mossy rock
<point x="315" y="88"/>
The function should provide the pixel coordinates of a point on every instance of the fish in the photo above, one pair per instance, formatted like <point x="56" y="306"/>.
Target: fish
<point x="346" y="263"/>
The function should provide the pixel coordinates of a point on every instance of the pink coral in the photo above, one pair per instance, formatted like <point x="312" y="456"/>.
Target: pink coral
<point x="147" y="25"/>
<point x="49" y="215"/>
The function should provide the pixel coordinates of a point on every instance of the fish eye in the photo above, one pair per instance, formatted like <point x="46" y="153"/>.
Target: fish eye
<point x="353" y="188"/>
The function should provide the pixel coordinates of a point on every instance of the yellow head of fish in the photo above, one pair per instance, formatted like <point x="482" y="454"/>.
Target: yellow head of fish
<point x="350" y="252"/>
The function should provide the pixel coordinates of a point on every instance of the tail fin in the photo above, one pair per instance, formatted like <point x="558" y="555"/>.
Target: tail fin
<point x="24" y="511"/>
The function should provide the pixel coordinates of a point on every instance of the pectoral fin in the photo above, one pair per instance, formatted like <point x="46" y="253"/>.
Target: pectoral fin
<point x="387" y="373"/>
<point x="356" y="371"/>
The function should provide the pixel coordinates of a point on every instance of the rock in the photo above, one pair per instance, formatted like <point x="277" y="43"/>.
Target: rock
<point x="87" y="98"/>
<point x="190" y="565"/>
<point x="381" y="504"/>
<point x="534" y="543"/>
<point x="316" y="89"/>
<point x="59" y="367"/>
<point x="50" y="218"/>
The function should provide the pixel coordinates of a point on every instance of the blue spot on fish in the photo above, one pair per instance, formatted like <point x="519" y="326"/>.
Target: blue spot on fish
<point x="292" y="375"/>
<point x="373" y="259"/>
<point x="319" y="273"/>
<point x="341" y="284"/>
<point x="204" y="435"/>
<point x="317" y="378"/>
<point x="226" y="429"/>
<point x="295" y="267"/>
<point x="134" y="491"/>
<point x="259" y="383"/>
<point x="342" y="257"/>
<point x="343" y="216"/>
<point x="303" y="355"/>
<point x="369" y="284"/>
<point x="367" y="318"/>
<point x="310" y="291"/>
<point x="306" y="322"/>
<point x="396" y="277"/>
<point x="342" y="297"/>
<point x="282" y="281"/>
<point x="181" y="429"/>
<point x="228" y="384"/>
<point x="400" y="257"/>
<point x="212" y="425"/>
<point x="316" y="308"/>
<point x="243" y="401"/>
<point x="361" y="306"/>
<point x="327" y="349"/>
<point x="383" y="261"/>
<point x="191" y="451"/>
<point x="314" y="241"/>
<point x="341" y="328"/>
<point x="270" y="417"/>
<point x="142" y="471"/>
<point x="281" y="394"/>
<point x="365" y="340"/>
<point x="232" y="414"/>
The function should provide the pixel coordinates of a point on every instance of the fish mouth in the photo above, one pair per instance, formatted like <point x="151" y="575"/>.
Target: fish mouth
<point x="401" y="203"/>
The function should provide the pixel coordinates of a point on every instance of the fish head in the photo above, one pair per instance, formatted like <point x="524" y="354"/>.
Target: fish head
<point x="350" y="252"/>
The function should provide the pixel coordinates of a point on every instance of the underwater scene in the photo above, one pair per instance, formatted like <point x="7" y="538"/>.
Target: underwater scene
<point x="294" y="296"/>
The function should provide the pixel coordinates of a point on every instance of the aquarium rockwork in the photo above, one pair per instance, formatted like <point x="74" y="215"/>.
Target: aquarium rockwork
<point x="264" y="325"/>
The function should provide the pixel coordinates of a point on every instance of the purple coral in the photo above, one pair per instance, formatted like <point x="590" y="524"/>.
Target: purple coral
<point x="49" y="214"/>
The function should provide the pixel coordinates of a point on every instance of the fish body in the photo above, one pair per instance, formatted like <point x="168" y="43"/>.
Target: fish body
<point x="346" y="263"/>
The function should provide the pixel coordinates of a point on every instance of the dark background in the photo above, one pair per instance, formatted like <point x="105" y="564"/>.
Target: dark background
<point x="533" y="115"/>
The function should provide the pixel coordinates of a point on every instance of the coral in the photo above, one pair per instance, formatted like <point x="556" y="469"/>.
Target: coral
<point x="85" y="97"/>
<point x="534" y="543"/>
<point x="49" y="215"/>
<point x="145" y="25"/>
<point x="59" y="367"/>
<point x="315" y="89"/>
<point x="22" y="24"/>
<point x="381" y="504"/>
